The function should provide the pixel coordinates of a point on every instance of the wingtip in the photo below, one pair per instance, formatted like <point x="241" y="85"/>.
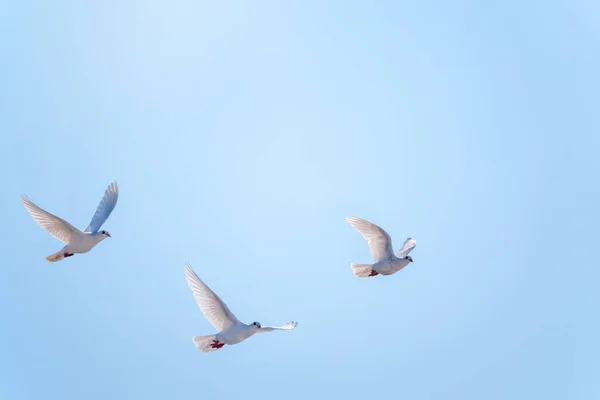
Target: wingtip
<point x="188" y="268"/>
<point x="25" y="200"/>
<point x="190" y="274"/>
<point x="350" y="218"/>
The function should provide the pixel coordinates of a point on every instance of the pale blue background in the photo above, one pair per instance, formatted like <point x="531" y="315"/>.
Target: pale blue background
<point x="241" y="134"/>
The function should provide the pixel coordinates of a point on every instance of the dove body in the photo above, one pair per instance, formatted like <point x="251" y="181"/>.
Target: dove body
<point x="237" y="333"/>
<point x="81" y="243"/>
<point x="391" y="266"/>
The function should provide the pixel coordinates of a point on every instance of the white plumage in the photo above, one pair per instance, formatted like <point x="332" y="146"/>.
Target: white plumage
<point x="76" y="241"/>
<point x="385" y="262"/>
<point x="231" y="330"/>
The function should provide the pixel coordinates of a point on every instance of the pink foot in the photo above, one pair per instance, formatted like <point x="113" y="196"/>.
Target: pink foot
<point x="68" y="254"/>
<point x="216" y="344"/>
<point x="373" y="273"/>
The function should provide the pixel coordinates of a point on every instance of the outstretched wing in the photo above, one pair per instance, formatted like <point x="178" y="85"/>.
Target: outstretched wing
<point x="55" y="226"/>
<point x="286" y="327"/>
<point x="211" y="305"/>
<point x="380" y="242"/>
<point x="407" y="247"/>
<point x="107" y="204"/>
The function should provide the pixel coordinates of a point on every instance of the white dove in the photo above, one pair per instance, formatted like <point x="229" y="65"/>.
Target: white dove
<point x="380" y="243"/>
<point x="75" y="240"/>
<point x="231" y="331"/>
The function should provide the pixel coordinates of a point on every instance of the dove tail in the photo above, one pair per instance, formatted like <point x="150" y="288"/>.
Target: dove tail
<point x="207" y="343"/>
<point x="363" y="270"/>
<point x="56" y="256"/>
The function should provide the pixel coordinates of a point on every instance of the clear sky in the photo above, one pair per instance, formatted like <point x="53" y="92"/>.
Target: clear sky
<point x="241" y="135"/>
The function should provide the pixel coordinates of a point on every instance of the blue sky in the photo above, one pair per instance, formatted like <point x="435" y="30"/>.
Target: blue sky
<point x="241" y="135"/>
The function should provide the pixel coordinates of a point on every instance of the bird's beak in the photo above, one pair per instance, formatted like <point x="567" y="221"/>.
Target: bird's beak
<point x="108" y="234"/>
<point x="410" y="259"/>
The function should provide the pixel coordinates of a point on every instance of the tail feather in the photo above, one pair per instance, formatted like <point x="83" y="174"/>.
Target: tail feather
<point x="206" y="344"/>
<point x="56" y="256"/>
<point x="363" y="270"/>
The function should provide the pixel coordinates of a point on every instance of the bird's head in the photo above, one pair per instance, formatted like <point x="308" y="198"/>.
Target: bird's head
<point x="409" y="258"/>
<point x="105" y="234"/>
<point x="256" y="325"/>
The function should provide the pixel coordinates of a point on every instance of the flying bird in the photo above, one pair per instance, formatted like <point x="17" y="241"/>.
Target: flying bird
<point x="385" y="262"/>
<point x="75" y="240"/>
<point x="231" y="330"/>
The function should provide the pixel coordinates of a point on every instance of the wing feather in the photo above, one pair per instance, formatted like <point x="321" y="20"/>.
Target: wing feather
<point x="106" y="206"/>
<point x="55" y="226"/>
<point x="407" y="247"/>
<point x="380" y="243"/>
<point x="286" y="327"/>
<point x="211" y="305"/>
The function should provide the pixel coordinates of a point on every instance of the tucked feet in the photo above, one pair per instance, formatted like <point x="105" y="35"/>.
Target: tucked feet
<point x="216" y="344"/>
<point x="68" y="254"/>
<point x="373" y="273"/>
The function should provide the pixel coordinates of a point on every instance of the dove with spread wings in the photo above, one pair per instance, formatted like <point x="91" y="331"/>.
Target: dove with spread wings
<point x="75" y="240"/>
<point x="385" y="262"/>
<point x="231" y="330"/>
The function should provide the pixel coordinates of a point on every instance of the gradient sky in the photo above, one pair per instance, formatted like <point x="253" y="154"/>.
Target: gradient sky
<point x="241" y="134"/>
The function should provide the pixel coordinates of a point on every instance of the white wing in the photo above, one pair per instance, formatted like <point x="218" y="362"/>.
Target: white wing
<point x="213" y="308"/>
<point x="107" y="204"/>
<point x="55" y="226"/>
<point x="286" y="327"/>
<point x="407" y="247"/>
<point x="380" y="242"/>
